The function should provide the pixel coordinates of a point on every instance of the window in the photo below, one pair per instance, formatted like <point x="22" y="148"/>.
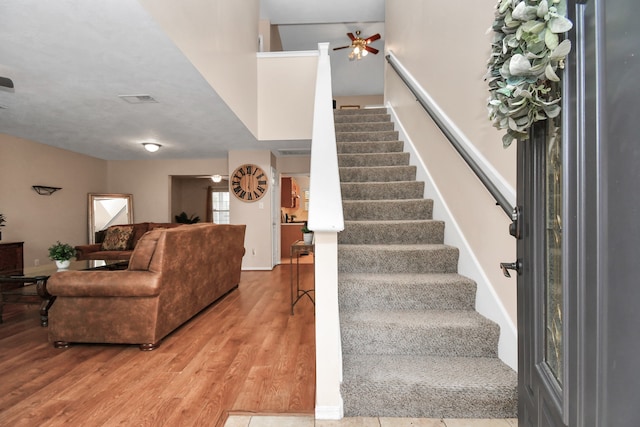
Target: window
<point x="220" y="206"/>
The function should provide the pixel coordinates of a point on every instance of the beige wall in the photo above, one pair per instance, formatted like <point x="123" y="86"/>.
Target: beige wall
<point x="286" y="90"/>
<point x="256" y="215"/>
<point x="446" y="49"/>
<point x="37" y="220"/>
<point x="220" y="38"/>
<point x="150" y="182"/>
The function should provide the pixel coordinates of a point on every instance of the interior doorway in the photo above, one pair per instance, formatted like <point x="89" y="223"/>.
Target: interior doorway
<point x="294" y="212"/>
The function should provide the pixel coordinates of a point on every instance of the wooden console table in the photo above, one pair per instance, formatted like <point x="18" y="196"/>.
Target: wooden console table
<point x="297" y="248"/>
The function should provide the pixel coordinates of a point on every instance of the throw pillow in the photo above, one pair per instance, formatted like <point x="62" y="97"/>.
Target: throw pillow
<point x="117" y="238"/>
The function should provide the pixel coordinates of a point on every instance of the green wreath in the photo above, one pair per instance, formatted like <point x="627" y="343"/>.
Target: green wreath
<point x="526" y="53"/>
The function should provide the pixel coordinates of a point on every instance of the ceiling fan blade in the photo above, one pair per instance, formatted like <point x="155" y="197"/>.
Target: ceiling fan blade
<point x="351" y="36"/>
<point x="6" y="82"/>
<point x="372" y="38"/>
<point x="371" y="49"/>
<point x="341" y="47"/>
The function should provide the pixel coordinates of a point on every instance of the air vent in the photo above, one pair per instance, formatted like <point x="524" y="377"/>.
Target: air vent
<point x="138" y="99"/>
<point x="294" y="152"/>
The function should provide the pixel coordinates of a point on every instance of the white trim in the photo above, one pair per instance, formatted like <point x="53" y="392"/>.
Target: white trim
<point x="487" y="302"/>
<point x="329" y="412"/>
<point x="288" y="54"/>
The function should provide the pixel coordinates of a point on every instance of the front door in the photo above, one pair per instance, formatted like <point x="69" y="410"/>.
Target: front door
<point x="578" y="180"/>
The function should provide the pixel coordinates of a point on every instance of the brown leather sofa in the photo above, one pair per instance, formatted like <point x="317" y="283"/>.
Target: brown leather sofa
<point x="173" y="274"/>
<point x="100" y="251"/>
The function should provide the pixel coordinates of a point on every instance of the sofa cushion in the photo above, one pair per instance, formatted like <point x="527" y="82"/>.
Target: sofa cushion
<point x="117" y="238"/>
<point x="145" y="248"/>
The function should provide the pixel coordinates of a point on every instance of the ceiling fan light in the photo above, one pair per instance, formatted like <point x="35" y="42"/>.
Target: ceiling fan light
<point x="151" y="147"/>
<point x="365" y="52"/>
<point x="356" y="50"/>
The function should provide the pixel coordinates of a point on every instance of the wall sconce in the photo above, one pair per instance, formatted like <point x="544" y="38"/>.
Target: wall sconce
<point x="151" y="147"/>
<point x="216" y="178"/>
<point x="45" y="190"/>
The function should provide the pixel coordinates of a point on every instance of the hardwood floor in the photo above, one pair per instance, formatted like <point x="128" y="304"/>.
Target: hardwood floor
<point x="245" y="353"/>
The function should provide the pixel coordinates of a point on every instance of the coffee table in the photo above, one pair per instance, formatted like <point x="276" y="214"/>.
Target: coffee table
<point x="31" y="287"/>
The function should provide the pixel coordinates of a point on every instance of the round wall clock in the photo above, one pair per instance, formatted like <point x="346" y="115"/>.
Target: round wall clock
<point x="249" y="183"/>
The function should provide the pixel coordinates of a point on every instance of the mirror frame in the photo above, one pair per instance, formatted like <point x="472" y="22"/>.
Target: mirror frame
<point x="93" y="197"/>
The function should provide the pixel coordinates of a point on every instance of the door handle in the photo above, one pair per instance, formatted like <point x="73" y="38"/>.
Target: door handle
<point x="506" y="266"/>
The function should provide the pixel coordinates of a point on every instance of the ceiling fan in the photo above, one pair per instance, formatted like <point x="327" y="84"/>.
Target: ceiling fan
<point x="6" y="82"/>
<point x="360" y="47"/>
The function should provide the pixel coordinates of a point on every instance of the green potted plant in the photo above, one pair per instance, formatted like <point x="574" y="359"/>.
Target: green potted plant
<point x="2" y="221"/>
<point x="184" y="219"/>
<point x="307" y="235"/>
<point x="62" y="253"/>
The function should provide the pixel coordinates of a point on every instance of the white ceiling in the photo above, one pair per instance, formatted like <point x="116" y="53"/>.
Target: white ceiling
<point x="70" y="59"/>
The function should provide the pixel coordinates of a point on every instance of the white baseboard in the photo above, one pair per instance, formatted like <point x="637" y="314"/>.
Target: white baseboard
<point x="329" y="412"/>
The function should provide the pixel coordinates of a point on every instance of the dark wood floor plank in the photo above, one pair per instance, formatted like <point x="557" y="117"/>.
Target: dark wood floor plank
<point x="244" y="353"/>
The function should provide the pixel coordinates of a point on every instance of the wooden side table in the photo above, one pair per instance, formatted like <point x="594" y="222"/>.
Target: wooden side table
<point x="298" y="248"/>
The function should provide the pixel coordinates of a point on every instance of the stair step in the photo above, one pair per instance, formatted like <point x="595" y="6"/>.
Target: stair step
<point x="370" y="147"/>
<point x="428" y="387"/>
<point x="392" y="232"/>
<point x="364" y="127"/>
<point x="387" y="209"/>
<point x="382" y="190"/>
<point x="377" y="173"/>
<point x="427" y="258"/>
<point x="365" y="291"/>
<point x="359" y="111"/>
<point x="431" y="333"/>
<point x="373" y="159"/>
<point x="367" y="136"/>
<point x="361" y="118"/>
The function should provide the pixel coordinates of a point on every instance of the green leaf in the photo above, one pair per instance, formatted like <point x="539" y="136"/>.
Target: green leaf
<point x="561" y="51"/>
<point x="533" y="26"/>
<point x="551" y="74"/>
<point x="543" y="8"/>
<point x="519" y="65"/>
<point x="551" y="39"/>
<point x="559" y="24"/>
<point x="522" y="12"/>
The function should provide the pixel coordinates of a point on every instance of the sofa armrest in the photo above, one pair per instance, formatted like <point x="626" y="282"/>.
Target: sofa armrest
<point x="87" y="249"/>
<point x="104" y="284"/>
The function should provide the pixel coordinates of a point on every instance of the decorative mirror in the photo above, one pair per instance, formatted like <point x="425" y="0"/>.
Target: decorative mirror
<point x="108" y="209"/>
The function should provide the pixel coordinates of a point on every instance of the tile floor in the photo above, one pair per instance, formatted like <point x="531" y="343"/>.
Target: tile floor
<point x="308" y="421"/>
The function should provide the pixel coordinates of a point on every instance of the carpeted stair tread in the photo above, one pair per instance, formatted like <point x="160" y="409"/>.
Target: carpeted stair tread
<point x="373" y="159"/>
<point x="361" y="118"/>
<point x="397" y="258"/>
<point x="413" y="344"/>
<point x="382" y="190"/>
<point x="360" y="111"/>
<point x="382" y="292"/>
<point x="390" y="135"/>
<point x="377" y="173"/>
<point x="398" y="209"/>
<point x="426" y="332"/>
<point x="364" y="127"/>
<point x="370" y="147"/>
<point x="392" y="232"/>
<point x="428" y="387"/>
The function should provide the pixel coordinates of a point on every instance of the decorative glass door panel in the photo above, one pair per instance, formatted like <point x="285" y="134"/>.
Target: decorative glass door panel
<point x="553" y="288"/>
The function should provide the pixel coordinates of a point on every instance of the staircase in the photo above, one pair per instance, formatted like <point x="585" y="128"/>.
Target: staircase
<point x="413" y="345"/>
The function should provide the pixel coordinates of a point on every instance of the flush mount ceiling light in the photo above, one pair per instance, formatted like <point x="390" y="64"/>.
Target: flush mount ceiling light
<point x="151" y="147"/>
<point x="138" y="99"/>
<point x="216" y="178"/>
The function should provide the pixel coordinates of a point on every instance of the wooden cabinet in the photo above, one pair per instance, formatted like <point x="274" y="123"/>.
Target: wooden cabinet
<point x="290" y="193"/>
<point x="289" y="233"/>
<point x="11" y="258"/>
